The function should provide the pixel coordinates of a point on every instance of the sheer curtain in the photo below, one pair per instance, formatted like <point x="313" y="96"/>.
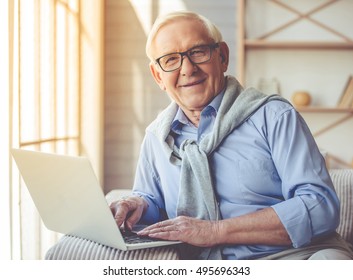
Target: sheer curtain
<point x="5" y="194"/>
<point x="47" y="42"/>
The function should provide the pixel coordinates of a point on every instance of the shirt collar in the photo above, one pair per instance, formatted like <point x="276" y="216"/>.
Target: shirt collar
<point x="180" y="118"/>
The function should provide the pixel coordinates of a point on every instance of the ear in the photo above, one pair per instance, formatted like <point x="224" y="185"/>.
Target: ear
<point x="224" y="53"/>
<point x="156" y="74"/>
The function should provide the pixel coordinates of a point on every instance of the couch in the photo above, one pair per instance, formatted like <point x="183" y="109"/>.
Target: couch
<point x="74" y="248"/>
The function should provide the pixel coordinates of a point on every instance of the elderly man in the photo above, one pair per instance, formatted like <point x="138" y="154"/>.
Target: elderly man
<point x="233" y="173"/>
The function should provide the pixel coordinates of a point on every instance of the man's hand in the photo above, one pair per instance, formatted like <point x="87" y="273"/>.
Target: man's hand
<point x="128" y="211"/>
<point x="189" y="230"/>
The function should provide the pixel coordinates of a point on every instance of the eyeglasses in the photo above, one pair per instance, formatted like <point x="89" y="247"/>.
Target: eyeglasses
<point x="199" y="54"/>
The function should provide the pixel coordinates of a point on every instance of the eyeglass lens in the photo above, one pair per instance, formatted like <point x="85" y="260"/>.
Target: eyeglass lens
<point x="199" y="54"/>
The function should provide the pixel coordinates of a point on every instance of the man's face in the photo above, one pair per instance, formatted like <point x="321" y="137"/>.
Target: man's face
<point x="192" y="86"/>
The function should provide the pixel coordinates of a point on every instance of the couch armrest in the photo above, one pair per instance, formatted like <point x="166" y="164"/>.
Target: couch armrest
<point x="343" y="182"/>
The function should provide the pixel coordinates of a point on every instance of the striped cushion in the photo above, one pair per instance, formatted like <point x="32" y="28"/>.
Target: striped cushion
<point x="343" y="182"/>
<point x="74" y="248"/>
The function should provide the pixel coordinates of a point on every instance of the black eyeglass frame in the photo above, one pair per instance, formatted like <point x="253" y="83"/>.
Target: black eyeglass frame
<point x="212" y="47"/>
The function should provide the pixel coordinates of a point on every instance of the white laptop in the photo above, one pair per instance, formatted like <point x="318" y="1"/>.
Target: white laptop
<point x="70" y="200"/>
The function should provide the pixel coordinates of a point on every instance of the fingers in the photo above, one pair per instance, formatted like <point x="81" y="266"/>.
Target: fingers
<point x="128" y="210"/>
<point x="119" y="213"/>
<point x="164" y="226"/>
<point x="164" y="230"/>
<point x="134" y="215"/>
<point x="186" y="229"/>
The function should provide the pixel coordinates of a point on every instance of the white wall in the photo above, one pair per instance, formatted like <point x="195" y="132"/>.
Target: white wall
<point x="91" y="83"/>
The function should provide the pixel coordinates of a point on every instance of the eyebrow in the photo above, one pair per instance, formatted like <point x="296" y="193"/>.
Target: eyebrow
<point x="194" y="46"/>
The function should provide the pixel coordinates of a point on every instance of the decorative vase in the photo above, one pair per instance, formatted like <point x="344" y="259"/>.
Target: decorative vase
<point x="301" y="98"/>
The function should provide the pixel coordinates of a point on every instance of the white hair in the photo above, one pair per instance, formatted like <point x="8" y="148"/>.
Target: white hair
<point x="163" y="20"/>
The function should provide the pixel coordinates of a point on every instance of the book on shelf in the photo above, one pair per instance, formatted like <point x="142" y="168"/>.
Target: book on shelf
<point x="346" y="100"/>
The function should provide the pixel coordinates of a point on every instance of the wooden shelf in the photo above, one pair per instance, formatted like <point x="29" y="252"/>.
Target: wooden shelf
<point x="263" y="44"/>
<point x="265" y="40"/>
<point x="262" y="41"/>
<point x="312" y="109"/>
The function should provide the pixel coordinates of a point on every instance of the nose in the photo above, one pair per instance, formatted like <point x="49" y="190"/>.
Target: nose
<point x="187" y="66"/>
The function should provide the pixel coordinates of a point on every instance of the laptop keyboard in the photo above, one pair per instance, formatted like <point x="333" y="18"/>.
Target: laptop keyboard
<point x="131" y="237"/>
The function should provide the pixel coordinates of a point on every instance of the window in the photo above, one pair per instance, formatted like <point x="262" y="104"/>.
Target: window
<point x="47" y="40"/>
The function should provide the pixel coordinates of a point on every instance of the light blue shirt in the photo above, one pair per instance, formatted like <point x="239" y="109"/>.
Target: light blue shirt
<point x="271" y="160"/>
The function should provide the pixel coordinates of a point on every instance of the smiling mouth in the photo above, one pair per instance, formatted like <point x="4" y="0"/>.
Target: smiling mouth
<point x="194" y="83"/>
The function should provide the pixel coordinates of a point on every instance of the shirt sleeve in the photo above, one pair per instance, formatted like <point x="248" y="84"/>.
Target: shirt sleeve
<point x="146" y="184"/>
<point x="311" y="206"/>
